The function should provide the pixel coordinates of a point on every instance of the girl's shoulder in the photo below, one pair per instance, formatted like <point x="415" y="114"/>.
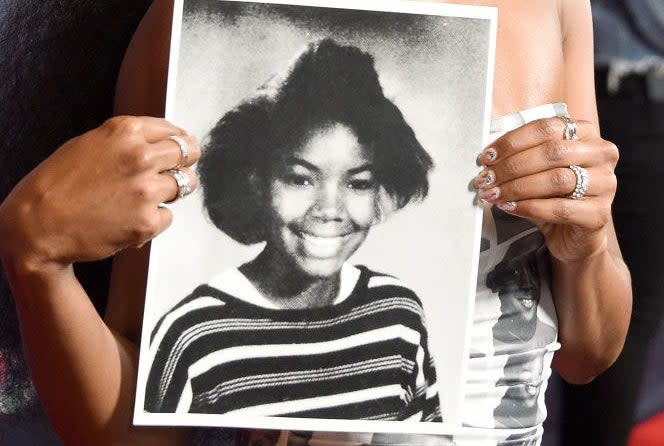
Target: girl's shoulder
<point x="383" y="285"/>
<point x="192" y="308"/>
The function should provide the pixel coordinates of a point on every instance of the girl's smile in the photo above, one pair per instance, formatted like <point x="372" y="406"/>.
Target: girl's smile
<point x="320" y="246"/>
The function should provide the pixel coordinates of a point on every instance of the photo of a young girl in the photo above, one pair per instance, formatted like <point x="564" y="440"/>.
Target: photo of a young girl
<point x="308" y="164"/>
<point x="323" y="272"/>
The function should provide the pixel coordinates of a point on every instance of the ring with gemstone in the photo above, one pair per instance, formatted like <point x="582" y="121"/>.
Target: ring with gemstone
<point x="570" y="128"/>
<point x="582" y="182"/>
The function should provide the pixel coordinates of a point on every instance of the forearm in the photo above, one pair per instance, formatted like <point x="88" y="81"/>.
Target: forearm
<point x="83" y="372"/>
<point x="593" y="300"/>
<point x="68" y="348"/>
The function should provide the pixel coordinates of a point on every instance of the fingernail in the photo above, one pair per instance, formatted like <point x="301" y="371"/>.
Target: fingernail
<point x="485" y="178"/>
<point x="507" y="206"/>
<point x="490" y="194"/>
<point x="487" y="156"/>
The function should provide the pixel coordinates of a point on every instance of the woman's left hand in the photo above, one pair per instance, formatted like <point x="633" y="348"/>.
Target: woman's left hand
<point x="527" y="173"/>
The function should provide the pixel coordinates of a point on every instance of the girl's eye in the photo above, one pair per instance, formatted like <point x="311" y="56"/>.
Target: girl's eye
<point x="361" y="184"/>
<point x="294" y="179"/>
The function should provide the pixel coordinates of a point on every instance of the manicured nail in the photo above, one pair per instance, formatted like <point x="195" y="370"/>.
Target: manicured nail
<point x="478" y="158"/>
<point x="507" y="206"/>
<point x="490" y="195"/>
<point x="487" y="156"/>
<point x="485" y="178"/>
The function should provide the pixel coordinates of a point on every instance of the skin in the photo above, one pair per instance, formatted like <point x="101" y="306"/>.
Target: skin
<point x="322" y="201"/>
<point x="84" y="367"/>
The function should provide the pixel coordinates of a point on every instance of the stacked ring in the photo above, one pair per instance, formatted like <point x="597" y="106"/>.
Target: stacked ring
<point x="184" y="150"/>
<point x="582" y="182"/>
<point x="182" y="180"/>
<point x="570" y="128"/>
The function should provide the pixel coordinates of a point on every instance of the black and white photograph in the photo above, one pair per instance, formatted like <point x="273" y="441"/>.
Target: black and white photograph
<point x="322" y="275"/>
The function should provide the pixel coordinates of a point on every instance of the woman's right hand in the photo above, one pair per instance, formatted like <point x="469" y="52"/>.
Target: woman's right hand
<point x="97" y="194"/>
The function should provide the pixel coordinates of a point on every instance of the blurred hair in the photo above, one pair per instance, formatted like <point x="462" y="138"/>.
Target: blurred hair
<point x="328" y="83"/>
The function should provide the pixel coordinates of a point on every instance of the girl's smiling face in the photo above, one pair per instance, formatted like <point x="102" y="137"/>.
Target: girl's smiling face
<point x="323" y="201"/>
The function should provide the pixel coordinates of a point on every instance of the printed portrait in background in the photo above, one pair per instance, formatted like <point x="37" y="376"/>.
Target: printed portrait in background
<point x="518" y="281"/>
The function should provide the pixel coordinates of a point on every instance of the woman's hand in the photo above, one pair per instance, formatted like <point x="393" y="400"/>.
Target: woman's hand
<point x="527" y="173"/>
<point x="97" y="194"/>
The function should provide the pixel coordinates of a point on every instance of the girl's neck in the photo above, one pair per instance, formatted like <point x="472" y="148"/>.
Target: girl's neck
<point x="282" y="285"/>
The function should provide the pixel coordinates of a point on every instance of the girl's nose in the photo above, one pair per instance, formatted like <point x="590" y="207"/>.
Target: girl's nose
<point x="328" y="205"/>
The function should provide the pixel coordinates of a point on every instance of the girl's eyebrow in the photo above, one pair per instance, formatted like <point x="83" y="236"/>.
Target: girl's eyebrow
<point x="362" y="168"/>
<point x="294" y="160"/>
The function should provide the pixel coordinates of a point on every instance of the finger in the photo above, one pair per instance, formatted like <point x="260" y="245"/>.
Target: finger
<point x="590" y="213"/>
<point x="546" y="156"/>
<point x="162" y="219"/>
<point x="531" y="135"/>
<point x="144" y="128"/>
<point x="170" y="153"/>
<point x="156" y="129"/>
<point x="558" y="182"/>
<point x="171" y="189"/>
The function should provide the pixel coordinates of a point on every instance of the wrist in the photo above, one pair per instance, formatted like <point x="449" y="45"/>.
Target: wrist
<point x="31" y="281"/>
<point x="21" y="252"/>
<point x="579" y="246"/>
<point x="593" y="250"/>
<point x="24" y="266"/>
<point x="26" y="270"/>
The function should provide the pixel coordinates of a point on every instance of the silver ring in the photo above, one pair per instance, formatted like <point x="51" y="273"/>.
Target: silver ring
<point x="184" y="150"/>
<point x="582" y="182"/>
<point x="570" y="128"/>
<point x="182" y="180"/>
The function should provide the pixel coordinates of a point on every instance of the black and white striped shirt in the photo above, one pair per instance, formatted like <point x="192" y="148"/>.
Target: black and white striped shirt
<point x="365" y="357"/>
